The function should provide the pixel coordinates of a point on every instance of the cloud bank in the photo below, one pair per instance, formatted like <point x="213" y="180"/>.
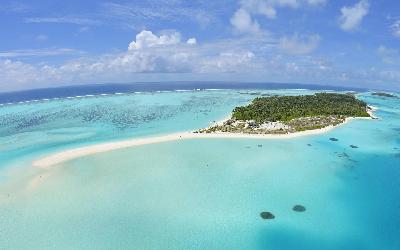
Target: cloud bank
<point x="148" y="53"/>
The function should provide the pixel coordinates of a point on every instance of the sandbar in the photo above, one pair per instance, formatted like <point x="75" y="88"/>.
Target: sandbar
<point x="75" y="153"/>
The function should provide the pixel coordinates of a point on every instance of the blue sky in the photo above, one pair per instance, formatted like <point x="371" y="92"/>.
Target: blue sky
<point x="52" y="43"/>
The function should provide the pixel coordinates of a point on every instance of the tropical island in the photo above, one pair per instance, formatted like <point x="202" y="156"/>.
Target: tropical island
<point x="383" y="94"/>
<point x="290" y="114"/>
<point x="265" y="117"/>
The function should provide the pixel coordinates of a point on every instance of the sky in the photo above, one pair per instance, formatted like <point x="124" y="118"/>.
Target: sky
<point x="50" y="43"/>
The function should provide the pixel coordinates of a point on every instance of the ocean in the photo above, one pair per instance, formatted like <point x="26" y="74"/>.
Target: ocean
<point x="192" y="194"/>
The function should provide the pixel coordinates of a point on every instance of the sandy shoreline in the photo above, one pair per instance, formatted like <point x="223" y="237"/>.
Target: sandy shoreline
<point x="71" y="154"/>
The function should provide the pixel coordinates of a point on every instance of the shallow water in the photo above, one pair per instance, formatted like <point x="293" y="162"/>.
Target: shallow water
<point x="202" y="193"/>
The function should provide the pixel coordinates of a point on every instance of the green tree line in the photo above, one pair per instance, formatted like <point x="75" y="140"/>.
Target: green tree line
<point x="286" y="108"/>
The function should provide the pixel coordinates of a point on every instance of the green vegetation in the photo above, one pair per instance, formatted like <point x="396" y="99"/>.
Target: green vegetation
<point x="287" y="108"/>
<point x="383" y="94"/>
<point x="289" y="114"/>
<point x="315" y="122"/>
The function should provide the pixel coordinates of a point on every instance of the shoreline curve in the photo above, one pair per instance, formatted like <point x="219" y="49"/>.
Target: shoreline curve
<point x="71" y="154"/>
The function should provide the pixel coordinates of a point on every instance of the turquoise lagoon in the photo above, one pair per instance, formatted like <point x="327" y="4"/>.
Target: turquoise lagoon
<point x="200" y="193"/>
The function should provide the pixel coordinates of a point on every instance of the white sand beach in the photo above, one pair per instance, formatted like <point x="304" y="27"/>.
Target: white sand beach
<point x="71" y="154"/>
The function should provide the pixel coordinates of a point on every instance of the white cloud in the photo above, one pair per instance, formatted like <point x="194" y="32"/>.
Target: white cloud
<point x="243" y="22"/>
<point x="16" y="74"/>
<point x="39" y="52"/>
<point x="300" y="44"/>
<point x="388" y="55"/>
<point x="146" y="39"/>
<point x="396" y="28"/>
<point x="149" y="53"/>
<point x="171" y="56"/>
<point x="167" y="53"/>
<point x="192" y="41"/>
<point x="351" y="17"/>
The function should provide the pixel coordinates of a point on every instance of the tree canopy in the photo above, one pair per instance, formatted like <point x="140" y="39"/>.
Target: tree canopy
<point x="286" y="108"/>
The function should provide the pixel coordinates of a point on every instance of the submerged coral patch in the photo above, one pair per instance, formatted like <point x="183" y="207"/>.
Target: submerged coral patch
<point x="267" y="215"/>
<point x="299" y="208"/>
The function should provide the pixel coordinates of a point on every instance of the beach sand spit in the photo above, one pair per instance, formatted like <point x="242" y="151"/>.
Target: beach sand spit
<point x="71" y="154"/>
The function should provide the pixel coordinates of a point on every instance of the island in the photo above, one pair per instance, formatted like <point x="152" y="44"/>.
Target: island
<point x="383" y="94"/>
<point x="271" y="117"/>
<point x="290" y="114"/>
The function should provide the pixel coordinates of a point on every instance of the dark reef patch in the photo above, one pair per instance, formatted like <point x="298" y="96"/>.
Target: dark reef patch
<point x="333" y="139"/>
<point x="310" y="145"/>
<point x="299" y="208"/>
<point x="267" y="215"/>
<point x="353" y="146"/>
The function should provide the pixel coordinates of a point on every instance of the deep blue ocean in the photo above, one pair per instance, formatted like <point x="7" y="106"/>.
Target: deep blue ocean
<point x="97" y="89"/>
